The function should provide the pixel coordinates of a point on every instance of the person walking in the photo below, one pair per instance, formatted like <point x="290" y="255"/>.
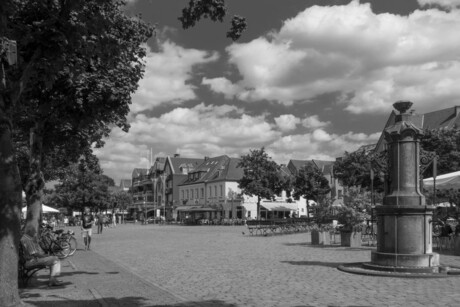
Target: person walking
<point x="114" y="220"/>
<point x="87" y="227"/>
<point x="100" y="222"/>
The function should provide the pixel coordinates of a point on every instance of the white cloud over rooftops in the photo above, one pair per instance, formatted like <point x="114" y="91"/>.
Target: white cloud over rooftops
<point x="167" y="74"/>
<point x="376" y="59"/>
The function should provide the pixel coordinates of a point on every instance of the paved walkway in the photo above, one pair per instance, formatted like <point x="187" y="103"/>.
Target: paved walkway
<point x="225" y="267"/>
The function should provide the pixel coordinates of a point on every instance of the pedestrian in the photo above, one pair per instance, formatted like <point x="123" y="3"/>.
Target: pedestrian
<point x="114" y="220"/>
<point x="119" y="219"/>
<point x="53" y="222"/>
<point x="87" y="227"/>
<point x="35" y="255"/>
<point x="100" y="222"/>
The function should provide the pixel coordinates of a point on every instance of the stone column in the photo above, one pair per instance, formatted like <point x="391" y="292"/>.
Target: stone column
<point x="404" y="240"/>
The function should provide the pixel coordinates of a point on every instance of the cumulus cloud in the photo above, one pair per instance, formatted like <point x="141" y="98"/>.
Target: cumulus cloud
<point x="287" y="122"/>
<point x="204" y="130"/>
<point x="210" y="130"/>
<point x="443" y="3"/>
<point x="167" y="76"/>
<point x="318" y="145"/>
<point x="373" y="59"/>
<point x="313" y="122"/>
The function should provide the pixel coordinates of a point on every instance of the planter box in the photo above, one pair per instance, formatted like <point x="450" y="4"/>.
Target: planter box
<point x="320" y="238"/>
<point x="350" y="239"/>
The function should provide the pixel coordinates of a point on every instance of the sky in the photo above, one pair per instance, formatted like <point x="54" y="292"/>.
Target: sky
<point x="309" y="79"/>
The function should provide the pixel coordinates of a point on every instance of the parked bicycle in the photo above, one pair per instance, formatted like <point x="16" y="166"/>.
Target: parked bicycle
<point x="53" y="243"/>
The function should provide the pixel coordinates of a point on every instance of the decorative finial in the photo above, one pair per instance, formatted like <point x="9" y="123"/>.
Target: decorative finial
<point x="402" y="106"/>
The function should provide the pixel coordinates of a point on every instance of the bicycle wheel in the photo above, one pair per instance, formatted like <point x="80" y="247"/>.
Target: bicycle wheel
<point x="61" y="248"/>
<point x="73" y="245"/>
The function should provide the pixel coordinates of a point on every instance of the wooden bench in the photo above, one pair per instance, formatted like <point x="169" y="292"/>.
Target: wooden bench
<point x="25" y="273"/>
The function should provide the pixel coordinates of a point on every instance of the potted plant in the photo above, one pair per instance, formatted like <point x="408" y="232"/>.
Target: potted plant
<point x="351" y="221"/>
<point x="321" y="232"/>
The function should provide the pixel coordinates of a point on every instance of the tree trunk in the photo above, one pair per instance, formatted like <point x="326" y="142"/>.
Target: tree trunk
<point x="35" y="182"/>
<point x="258" y="207"/>
<point x="10" y="210"/>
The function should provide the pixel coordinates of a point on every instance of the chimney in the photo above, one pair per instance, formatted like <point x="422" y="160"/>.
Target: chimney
<point x="176" y="155"/>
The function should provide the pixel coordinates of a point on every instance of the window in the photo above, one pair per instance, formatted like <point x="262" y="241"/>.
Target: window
<point x="191" y="193"/>
<point x="249" y="213"/>
<point x="215" y="191"/>
<point x="196" y="193"/>
<point x="302" y="210"/>
<point x="340" y="193"/>
<point x="187" y="194"/>
<point x="221" y="191"/>
<point x="182" y="194"/>
<point x="202" y="192"/>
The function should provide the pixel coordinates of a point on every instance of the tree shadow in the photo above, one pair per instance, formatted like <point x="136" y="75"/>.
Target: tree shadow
<point x="315" y="263"/>
<point x="79" y="273"/>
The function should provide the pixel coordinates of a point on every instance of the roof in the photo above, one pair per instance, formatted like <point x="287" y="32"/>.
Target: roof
<point x="324" y="166"/>
<point x="137" y="172"/>
<point x="441" y="119"/>
<point x="221" y="168"/>
<point x="177" y="162"/>
<point x="125" y="183"/>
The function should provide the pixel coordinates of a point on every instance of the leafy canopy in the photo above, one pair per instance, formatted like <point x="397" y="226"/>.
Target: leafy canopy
<point x="310" y="183"/>
<point x="262" y="176"/>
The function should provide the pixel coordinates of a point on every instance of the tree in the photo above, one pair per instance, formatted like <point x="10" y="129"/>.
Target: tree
<point x="82" y="187"/>
<point x="261" y="176"/>
<point x="310" y="183"/>
<point x="216" y="10"/>
<point x="89" y="63"/>
<point x="122" y="200"/>
<point x="446" y="144"/>
<point x="354" y="170"/>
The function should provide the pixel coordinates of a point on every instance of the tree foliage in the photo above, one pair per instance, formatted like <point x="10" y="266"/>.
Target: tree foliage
<point x="446" y="144"/>
<point x="216" y="10"/>
<point x="261" y="177"/>
<point x="310" y="183"/>
<point x="353" y="170"/>
<point x="82" y="60"/>
<point x="82" y="186"/>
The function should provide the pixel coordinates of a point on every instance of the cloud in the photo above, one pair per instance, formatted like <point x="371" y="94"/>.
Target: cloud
<point x="211" y="130"/>
<point x="318" y="145"/>
<point x="443" y="3"/>
<point x="204" y="130"/>
<point x="373" y="59"/>
<point x="167" y="76"/>
<point x="313" y="122"/>
<point x="287" y="122"/>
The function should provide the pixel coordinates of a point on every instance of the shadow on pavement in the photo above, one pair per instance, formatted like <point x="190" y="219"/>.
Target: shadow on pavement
<point x="126" y="301"/>
<point x="78" y="273"/>
<point x="315" y="263"/>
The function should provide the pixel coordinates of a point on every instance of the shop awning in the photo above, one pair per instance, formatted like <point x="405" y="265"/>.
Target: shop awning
<point x="186" y="208"/>
<point x="444" y="182"/>
<point x="279" y="206"/>
<point x="196" y="209"/>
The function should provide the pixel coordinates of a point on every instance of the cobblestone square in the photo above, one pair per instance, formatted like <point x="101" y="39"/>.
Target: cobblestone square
<point x="222" y="265"/>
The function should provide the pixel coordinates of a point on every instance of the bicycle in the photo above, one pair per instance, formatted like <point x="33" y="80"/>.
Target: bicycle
<point x="53" y="244"/>
<point x="69" y="238"/>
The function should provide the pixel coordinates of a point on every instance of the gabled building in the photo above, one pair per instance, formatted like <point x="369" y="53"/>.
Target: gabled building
<point x="176" y="170"/>
<point x="125" y="184"/>
<point x="441" y="119"/>
<point x="210" y="191"/>
<point x="140" y="188"/>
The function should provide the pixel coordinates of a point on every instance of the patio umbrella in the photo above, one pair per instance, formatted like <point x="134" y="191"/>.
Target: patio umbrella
<point x="45" y="209"/>
<point x="444" y="182"/>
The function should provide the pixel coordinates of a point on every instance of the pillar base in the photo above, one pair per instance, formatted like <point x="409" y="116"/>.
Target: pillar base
<point x="404" y="262"/>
